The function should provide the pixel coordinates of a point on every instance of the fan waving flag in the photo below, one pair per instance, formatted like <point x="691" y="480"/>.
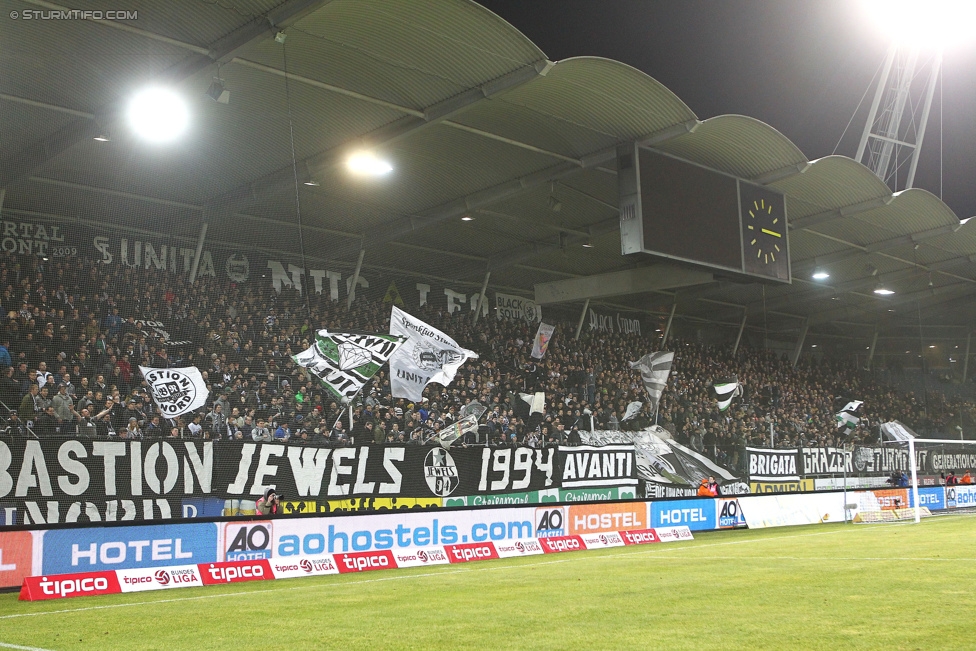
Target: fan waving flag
<point x="176" y="391"/>
<point x="847" y="418"/>
<point x="345" y="361"/>
<point x="542" y="338"/>
<point x="654" y="369"/>
<point x="725" y="390"/>
<point x="428" y="355"/>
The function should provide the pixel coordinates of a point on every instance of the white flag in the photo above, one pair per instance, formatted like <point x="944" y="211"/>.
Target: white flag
<point x="176" y="391"/>
<point x="428" y="355"/>
<point x="536" y="402"/>
<point x="542" y="337"/>
<point x="632" y="409"/>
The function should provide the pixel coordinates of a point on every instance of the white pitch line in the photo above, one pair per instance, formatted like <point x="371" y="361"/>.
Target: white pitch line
<point x="333" y="586"/>
<point x="4" y="645"/>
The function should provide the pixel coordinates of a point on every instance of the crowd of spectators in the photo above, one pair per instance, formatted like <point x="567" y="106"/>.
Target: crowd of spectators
<point x="76" y="332"/>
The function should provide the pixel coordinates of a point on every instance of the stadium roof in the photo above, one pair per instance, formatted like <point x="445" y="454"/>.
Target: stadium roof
<point x="476" y="121"/>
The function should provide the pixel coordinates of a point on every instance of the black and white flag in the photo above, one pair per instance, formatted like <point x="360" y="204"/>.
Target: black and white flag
<point x="176" y="391"/>
<point x="428" y="355"/>
<point x="724" y="390"/>
<point x="654" y="370"/>
<point x="345" y="361"/>
<point x="847" y="418"/>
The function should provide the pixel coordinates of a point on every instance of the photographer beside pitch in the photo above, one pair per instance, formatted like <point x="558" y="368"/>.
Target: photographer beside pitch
<point x="268" y="505"/>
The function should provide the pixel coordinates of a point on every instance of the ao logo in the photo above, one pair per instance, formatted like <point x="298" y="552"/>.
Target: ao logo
<point x="172" y="390"/>
<point x="238" y="268"/>
<point x="250" y="542"/>
<point x="441" y="472"/>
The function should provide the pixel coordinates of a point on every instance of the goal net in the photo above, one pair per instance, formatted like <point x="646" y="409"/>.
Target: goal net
<point x="931" y="476"/>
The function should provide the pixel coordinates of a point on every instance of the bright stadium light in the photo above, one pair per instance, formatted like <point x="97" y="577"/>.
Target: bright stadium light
<point x="368" y="164"/>
<point x="158" y="115"/>
<point x="933" y="23"/>
<point x="883" y="291"/>
<point x="821" y="275"/>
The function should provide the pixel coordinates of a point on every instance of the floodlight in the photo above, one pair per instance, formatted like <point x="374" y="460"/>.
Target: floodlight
<point x="467" y="218"/>
<point x="932" y="23"/>
<point x="881" y="290"/>
<point x="367" y="164"/>
<point x="158" y="114"/>
<point x="820" y="275"/>
<point x="218" y="92"/>
<point x="103" y="137"/>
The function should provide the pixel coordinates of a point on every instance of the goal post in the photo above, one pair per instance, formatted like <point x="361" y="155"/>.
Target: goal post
<point x="927" y="476"/>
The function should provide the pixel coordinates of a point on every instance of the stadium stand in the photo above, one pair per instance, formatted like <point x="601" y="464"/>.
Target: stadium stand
<point x="79" y="325"/>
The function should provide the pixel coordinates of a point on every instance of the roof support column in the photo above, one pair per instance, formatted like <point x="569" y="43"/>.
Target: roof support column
<point x="355" y="278"/>
<point x="579" y="326"/>
<point x="481" y="296"/>
<point x="196" y="259"/>
<point x="965" y="364"/>
<point x="3" y="194"/>
<point x="799" y="342"/>
<point x="667" y="328"/>
<point x="874" y="344"/>
<point x="738" y="338"/>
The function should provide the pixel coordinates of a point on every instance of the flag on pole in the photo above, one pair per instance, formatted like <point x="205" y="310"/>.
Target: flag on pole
<point x="536" y="402"/>
<point x="632" y="410"/>
<point x="456" y="430"/>
<point x="654" y="369"/>
<point x="345" y="361"/>
<point x="473" y="408"/>
<point x="724" y="390"/>
<point x="847" y="418"/>
<point x="176" y="391"/>
<point x="428" y="355"/>
<point x="542" y="337"/>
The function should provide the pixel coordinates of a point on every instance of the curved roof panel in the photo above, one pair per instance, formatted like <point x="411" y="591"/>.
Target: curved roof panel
<point x="738" y="145"/>
<point x="605" y="96"/>
<point x="835" y="182"/>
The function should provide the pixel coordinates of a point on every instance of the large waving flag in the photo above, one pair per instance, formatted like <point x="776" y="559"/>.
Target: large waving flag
<point x="345" y="361"/>
<point x="654" y="370"/>
<point x="847" y="418"/>
<point x="724" y="390"/>
<point x="176" y="391"/>
<point x="428" y="356"/>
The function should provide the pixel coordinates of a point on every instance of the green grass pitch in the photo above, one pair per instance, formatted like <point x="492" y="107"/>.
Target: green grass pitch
<point x="896" y="586"/>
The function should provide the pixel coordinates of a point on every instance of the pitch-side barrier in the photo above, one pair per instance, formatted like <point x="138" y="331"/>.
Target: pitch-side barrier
<point x="84" y="584"/>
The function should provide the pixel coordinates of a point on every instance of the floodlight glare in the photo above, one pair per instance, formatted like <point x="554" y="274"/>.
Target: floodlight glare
<point x="367" y="164"/>
<point x="821" y="275"/>
<point x="158" y="115"/>
<point x="933" y="23"/>
<point x="882" y="291"/>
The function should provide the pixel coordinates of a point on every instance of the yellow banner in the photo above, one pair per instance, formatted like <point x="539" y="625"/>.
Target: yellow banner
<point x="362" y="504"/>
<point x="781" y="486"/>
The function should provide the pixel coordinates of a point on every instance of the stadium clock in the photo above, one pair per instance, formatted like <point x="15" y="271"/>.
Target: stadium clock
<point x="765" y="240"/>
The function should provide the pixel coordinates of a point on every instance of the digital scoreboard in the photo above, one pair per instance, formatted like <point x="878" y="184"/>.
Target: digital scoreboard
<point x="678" y="210"/>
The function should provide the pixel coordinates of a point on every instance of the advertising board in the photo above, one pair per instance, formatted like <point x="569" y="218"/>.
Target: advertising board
<point x="118" y="548"/>
<point x="697" y="515"/>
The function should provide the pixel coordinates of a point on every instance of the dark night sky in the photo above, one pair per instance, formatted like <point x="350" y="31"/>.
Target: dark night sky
<point x="801" y="66"/>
